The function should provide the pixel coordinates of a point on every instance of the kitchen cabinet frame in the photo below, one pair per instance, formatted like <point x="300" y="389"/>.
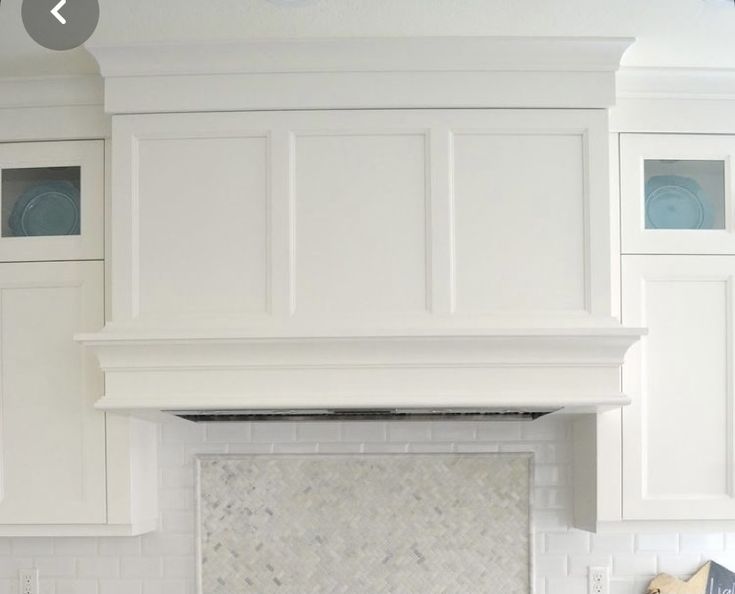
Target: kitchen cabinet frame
<point x="635" y="149"/>
<point x="678" y="446"/>
<point x="88" y="155"/>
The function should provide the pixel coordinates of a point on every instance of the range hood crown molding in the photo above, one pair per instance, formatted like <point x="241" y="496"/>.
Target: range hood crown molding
<point x="333" y="73"/>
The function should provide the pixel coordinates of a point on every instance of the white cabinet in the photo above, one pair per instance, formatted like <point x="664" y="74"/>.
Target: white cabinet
<point x="677" y="194"/>
<point x="66" y="467"/>
<point x="51" y="201"/>
<point x="678" y="431"/>
<point x="358" y="220"/>
<point x="53" y="464"/>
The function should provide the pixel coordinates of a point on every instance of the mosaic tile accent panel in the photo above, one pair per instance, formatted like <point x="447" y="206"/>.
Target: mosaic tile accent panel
<point x="365" y="524"/>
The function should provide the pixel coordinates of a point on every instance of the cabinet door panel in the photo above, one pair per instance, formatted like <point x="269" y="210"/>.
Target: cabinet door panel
<point x="52" y="438"/>
<point x="677" y="194"/>
<point x="499" y="182"/>
<point x="51" y="201"/>
<point x="678" y="450"/>
<point x="404" y="220"/>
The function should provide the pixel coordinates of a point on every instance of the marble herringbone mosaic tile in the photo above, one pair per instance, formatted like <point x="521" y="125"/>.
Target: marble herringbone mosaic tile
<point x="365" y="524"/>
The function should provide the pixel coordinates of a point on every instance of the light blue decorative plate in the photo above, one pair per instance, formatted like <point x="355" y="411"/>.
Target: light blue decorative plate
<point x="50" y="208"/>
<point x="674" y="202"/>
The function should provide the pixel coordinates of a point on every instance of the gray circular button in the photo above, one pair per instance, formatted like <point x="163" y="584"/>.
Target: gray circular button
<point x="60" y="24"/>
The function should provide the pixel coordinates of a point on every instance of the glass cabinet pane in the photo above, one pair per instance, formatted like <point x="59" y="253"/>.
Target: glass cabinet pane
<point x="684" y="194"/>
<point x="40" y="201"/>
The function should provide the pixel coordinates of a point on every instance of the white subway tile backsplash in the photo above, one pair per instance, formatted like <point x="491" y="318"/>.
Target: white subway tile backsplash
<point x="549" y="475"/>
<point x="75" y="546"/>
<point x="568" y="542"/>
<point x="327" y="431"/>
<point x="339" y="448"/>
<point x="679" y="564"/>
<point x="385" y="448"/>
<point x="627" y="564"/>
<point x="179" y="430"/>
<point x="566" y="585"/>
<point x="31" y="547"/>
<point x="176" y="499"/>
<point x="295" y="448"/>
<point x="364" y="431"/>
<point x="141" y="567"/>
<point x="178" y="522"/>
<point x="431" y="447"/>
<point x="726" y="558"/>
<point x="119" y="546"/>
<point x="273" y="432"/>
<point x="9" y="566"/>
<point x="546" y="428"/>
<point x="498" y="431"/>
<point x="179" y="567"/>
<point x="702" y="542"/>
<point x="409" y="431"/>
<point x="229" y="432"/>
<point x="164" y="563"/>
<point x="99" y="567"/>
<point x="160" y="543"/>
<point x="628" y="585"/>
<point x="56" y="566"/>
<point x="662" y="543"/>
<point x="478" y="446"/>
<point x="250" y="448"/>
<point x="165" y="587"/>
<point x="77" y="587"/>
<point x="612" y="543"/>
<point x="551" y="566"/>
<point x="454" y="431"/>
<point x="579" y="564"/>
<point x="121" y="587"/>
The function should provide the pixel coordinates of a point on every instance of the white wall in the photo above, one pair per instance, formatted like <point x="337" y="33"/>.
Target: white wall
<point x="163" y="563"/>
<point x="694" y="33"/>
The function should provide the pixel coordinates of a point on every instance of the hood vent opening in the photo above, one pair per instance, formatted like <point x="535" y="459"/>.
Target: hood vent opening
<point x="346" y="414"/>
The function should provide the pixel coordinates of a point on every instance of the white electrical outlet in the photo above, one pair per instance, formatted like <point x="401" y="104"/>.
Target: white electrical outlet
<point x="29" y="581"/>
<point x="598" y="580"/>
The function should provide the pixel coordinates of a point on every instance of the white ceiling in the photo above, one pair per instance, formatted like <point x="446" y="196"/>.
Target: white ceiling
<point x="684" y="33"/>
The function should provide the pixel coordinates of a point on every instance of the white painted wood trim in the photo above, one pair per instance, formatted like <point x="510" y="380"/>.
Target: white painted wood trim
<point x="675" y="100"/>
<point x="376" y="54"/>
<point x="676" y="83"/>
<point x="438" y="127"/>
<point x="52" y="108"/>
<point x="51" y="91"/>
<point x="362" y="73"/>
<point x="503" y="370"/>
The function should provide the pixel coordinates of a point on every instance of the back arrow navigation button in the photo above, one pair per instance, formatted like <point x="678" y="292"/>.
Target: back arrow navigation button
<point x="60" y="24"/>
<point x="57" y="14"/>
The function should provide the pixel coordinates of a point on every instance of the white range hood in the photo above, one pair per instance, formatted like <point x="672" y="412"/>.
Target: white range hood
<point x="362" y="225"/>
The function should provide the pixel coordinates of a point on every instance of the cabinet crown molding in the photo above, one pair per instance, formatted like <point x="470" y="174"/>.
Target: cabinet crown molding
<point x="362" y="73"/>
<point x="365" y="54"/>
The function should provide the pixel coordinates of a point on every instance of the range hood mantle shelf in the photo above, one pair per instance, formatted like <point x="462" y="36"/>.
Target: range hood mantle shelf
<point x="540" y="369"/>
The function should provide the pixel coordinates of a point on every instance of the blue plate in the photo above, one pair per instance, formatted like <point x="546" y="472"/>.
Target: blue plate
<point x="50" y="208"/>
<point x="674" y="202"/>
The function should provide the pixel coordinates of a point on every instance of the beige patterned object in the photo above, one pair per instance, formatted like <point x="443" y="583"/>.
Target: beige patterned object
<point x="365" y="524"/>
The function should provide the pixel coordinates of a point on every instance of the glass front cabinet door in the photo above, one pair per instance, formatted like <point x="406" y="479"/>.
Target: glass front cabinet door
<point x="677" y="194"/>
<point x="51" y="201"/>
